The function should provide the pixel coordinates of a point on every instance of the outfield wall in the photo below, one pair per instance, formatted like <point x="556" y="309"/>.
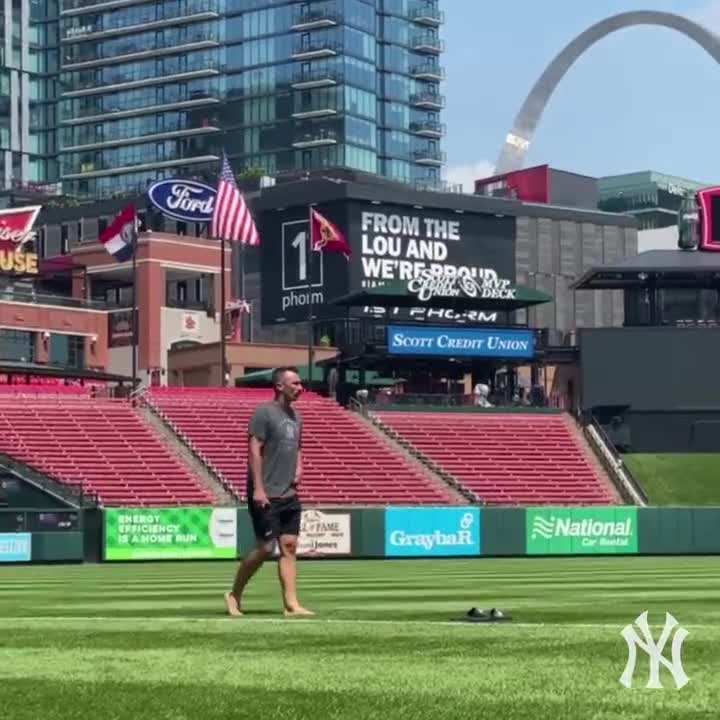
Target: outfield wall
<point x="397" y="532"/>
<point x="208" y="533"/>
<point x="51" y="535"/>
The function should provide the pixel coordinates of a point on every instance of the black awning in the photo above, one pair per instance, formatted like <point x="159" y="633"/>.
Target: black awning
<point x="396" y="293"/>
<point x="666" y="268"/>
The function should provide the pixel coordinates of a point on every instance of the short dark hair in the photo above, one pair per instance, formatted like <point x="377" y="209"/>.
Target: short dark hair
<point x="278" y="373"/>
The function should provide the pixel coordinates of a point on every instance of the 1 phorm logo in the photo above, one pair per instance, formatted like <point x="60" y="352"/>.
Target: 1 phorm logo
<point x="654" y="651"/>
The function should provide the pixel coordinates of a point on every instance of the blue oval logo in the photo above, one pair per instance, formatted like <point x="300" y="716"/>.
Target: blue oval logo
<point x="187" y="200"/>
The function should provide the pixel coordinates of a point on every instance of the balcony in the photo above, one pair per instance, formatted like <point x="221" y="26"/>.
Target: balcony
<point x="133" y="51"/>
<point x="428" y="156"/>
<point x="91" y="141"/>
<point x="77" y="7"/>
<point x="29" y="297"/>
<point x="427" y="43"/>
<point x="317" y="139"/>
<point x="315" y="49"/>
<point x="428" y="128"/>
<point x="110" y="111"/>
<point x="427" y="13"/>
<point x="427" y="100"/>
<point x="315" y="109"/>
<point x="124" y="80"/>
<point x="320" y="111"/>
<point x="428" y="71"/>
<point x="316" y="19"/>
<point x="91" y="169"/>
<point x="315" y="79"/>
<point x="193" y="12"/>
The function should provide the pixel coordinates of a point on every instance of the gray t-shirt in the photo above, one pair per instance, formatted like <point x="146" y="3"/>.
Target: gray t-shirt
<point x="280" y="431"/>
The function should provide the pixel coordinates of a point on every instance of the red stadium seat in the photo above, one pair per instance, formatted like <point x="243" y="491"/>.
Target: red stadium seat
<point x="103" y="445"/>
<point x="506" y="458"/>
<point x="345" y="461"/>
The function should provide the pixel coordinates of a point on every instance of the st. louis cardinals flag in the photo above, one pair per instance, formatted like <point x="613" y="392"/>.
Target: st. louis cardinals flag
<point x="231" y="218"/>
<point x="326" y="236"/>
<point x="120" y="236"/>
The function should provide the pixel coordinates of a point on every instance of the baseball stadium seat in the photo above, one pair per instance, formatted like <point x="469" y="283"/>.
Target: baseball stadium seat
<point x="506" y="458"/>
<point x="344" y="461"/>
<point x="103" y="445"/>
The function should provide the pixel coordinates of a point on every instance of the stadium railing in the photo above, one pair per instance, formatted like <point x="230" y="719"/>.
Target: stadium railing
<point x="142" y="397"/>
<point x="75" y="495"/>
<point x="627" y="485"/>
<point x="362" y="409"/>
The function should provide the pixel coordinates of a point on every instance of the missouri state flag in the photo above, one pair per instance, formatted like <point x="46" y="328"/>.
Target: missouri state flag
<point x="325" y="236"/>
<point x="120" y="236"/>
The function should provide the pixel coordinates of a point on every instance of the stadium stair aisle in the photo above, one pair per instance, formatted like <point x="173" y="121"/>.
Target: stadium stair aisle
<point x="345" y="462"/>
<point x="103" y="445"/>
<point x="505" y="458"/>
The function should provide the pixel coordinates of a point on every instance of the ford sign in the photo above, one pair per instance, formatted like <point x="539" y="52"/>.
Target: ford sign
<point x="186" y="200"/>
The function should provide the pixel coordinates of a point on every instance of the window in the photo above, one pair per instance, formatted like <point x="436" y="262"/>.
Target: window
<point x="360" y="44"/>
<point x="17" y="345"/>
<point x="360" y="102"/>
<point x="360" y="132"/>
<point x="360" y="15"/>
<point x="67" y="350"/>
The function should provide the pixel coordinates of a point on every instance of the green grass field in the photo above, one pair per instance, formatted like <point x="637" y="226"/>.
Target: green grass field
<point x="678" y="478"/>
<point x="151" y="642"/>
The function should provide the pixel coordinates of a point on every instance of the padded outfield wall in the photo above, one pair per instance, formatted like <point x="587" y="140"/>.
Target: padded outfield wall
<point x="195" y="533"/>
<point x="459" y="531"/>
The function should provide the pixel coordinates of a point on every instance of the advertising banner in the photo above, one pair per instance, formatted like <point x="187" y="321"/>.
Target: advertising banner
<point x="389" y="242"/>
<point x="15" y="547"/>
<point x="186" y="200"/>
<point x="395" y="242"/>
<point x="466" y="341"/>
<point x="581" y="530"/>
<point x="183" y="533"/>
<point x="120" y="328"/>
<point x="323" y="533"/>
<point x="17" y="237"/>
<point x="432" y="532"/>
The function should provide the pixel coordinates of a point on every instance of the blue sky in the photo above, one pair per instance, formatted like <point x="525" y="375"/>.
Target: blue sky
<point x="637" y="100"/>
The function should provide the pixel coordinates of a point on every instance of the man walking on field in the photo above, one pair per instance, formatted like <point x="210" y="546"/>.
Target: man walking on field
<point x="274" y="469"/>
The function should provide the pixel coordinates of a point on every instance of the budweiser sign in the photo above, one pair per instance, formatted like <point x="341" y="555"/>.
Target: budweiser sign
<point x="16" y="229"/>
<point x="16" y="226"/>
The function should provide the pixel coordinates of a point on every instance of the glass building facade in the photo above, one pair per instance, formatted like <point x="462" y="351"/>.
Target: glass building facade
<point x="28" y="80"/>
<point x="152" y="89"/>
<point x="653" y="198"/>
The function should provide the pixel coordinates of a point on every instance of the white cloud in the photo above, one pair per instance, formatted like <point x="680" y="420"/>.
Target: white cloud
<point x="466" y="175"/>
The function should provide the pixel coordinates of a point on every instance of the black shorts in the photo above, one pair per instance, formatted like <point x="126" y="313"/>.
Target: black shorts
<point x="281" y="517"/>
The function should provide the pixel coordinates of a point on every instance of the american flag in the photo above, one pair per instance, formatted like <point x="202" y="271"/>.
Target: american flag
<point x="231" y="218"/>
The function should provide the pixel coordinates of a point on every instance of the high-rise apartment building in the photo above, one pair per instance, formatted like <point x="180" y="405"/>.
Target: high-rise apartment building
<point x="157" y="88"/>
<point x="28" y="75"/>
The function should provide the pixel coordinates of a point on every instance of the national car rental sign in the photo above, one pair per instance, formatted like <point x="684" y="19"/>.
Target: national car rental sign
<point x="16" y="230"/>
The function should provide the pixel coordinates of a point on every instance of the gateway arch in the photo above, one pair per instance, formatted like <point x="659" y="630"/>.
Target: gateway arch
<point x="517" y="141"/>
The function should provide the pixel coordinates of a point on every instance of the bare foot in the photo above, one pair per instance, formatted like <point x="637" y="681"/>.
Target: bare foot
<point x="232" y="606"/>
<point x="299" y="612"/>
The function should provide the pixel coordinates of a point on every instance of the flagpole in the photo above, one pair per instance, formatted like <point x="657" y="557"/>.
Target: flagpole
<point x="310" y="302"/>
<point x="136" y="245"/>
<point x="242" y="288"/>
<point x="223" y="359"/>
<point x="242" y="270"/>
